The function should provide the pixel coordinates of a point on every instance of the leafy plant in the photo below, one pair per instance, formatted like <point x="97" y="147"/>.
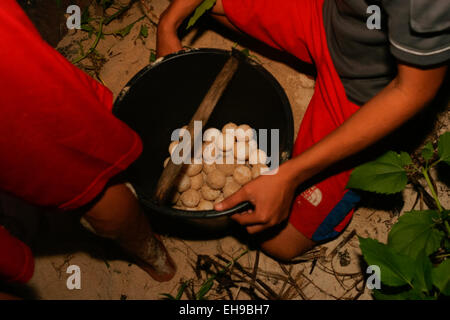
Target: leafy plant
<point x="168" y="296"/>
<point x="152" y="57"/>
<point x="415" y="262"/>
<point x="86" y="25"/>
<point x="207" y="285"/>
<point x="126" y="30"/>
<point x="246" y="52"/>
<point x="144" y="31"/>
<point x="200" y="11"/>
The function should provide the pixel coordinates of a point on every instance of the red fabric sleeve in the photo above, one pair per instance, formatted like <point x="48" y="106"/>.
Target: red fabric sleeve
<point x="280" y="24"/>
<point x="16" y="259"/>
<point x="59" y="142"/>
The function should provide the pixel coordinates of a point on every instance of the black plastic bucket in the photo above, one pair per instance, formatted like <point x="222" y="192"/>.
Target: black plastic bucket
<point x="164" y="96"/>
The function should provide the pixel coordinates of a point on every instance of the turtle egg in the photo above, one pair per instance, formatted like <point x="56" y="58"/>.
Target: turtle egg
<point x="244" y="133"/>
<point x="212" y="134"/>
<point x="225" y="142"/>
<point x="257" y="156"/>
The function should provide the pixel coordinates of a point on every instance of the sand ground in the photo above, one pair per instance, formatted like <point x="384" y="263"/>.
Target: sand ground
<point x="331" y="271"/>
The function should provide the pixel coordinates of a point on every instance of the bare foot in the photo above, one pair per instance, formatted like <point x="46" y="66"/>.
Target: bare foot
<point x="118" y="215"/>
<point x="162" y="267"/>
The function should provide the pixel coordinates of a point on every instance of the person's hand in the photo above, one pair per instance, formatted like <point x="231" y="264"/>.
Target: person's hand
<point x="167" y="41"/>
<point x="271" y="195"/>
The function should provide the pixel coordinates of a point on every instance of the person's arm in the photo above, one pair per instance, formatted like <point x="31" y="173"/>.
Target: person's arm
<point x="167" y="40"/>
<point x="272" y="196"/>
<point x="407" y="94"/>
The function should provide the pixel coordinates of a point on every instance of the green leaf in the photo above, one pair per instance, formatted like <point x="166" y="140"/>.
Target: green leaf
<point x="422" y="279"/>
<point x="207" y="285"/>
<point x="384" y="175"/>
<point x="87" y="27"/>
<point x="416" y="232"/>
<point x="152" y="56"/>
<point x="444" y="147"/>
<point x="85" y="16"/>
<point x="167" y="296"/>
<point x="441" y="277"/>
<point x="246" y="52"/>
<point x="181" y="290"/>
<point x="126" y="30"/>
<point x="445" y="214"/>
<point x="405" y="159"/>
<point x="144" y="31"/>
<point x="447" y="244"/>
<point x="205" y="288"/>
<point x="428" y="151"/>
<point x="396" y="269"/>
<point x="117" y="13"/>
<point x="200" y="11"/>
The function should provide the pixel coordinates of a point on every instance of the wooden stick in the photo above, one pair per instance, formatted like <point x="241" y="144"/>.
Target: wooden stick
<point x="203" y="113"/>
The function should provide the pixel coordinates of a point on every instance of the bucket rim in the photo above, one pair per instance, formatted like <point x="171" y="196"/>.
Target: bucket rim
<point x="284" y="154"/>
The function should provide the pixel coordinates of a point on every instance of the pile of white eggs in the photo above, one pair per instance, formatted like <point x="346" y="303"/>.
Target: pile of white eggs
<point x="229" y="159"/>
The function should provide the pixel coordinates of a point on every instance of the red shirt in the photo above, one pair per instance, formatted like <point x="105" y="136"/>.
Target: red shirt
<point x="59" y="142"/>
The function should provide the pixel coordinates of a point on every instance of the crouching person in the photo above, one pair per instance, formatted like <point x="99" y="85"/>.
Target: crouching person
<point x="62" y="148"/>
